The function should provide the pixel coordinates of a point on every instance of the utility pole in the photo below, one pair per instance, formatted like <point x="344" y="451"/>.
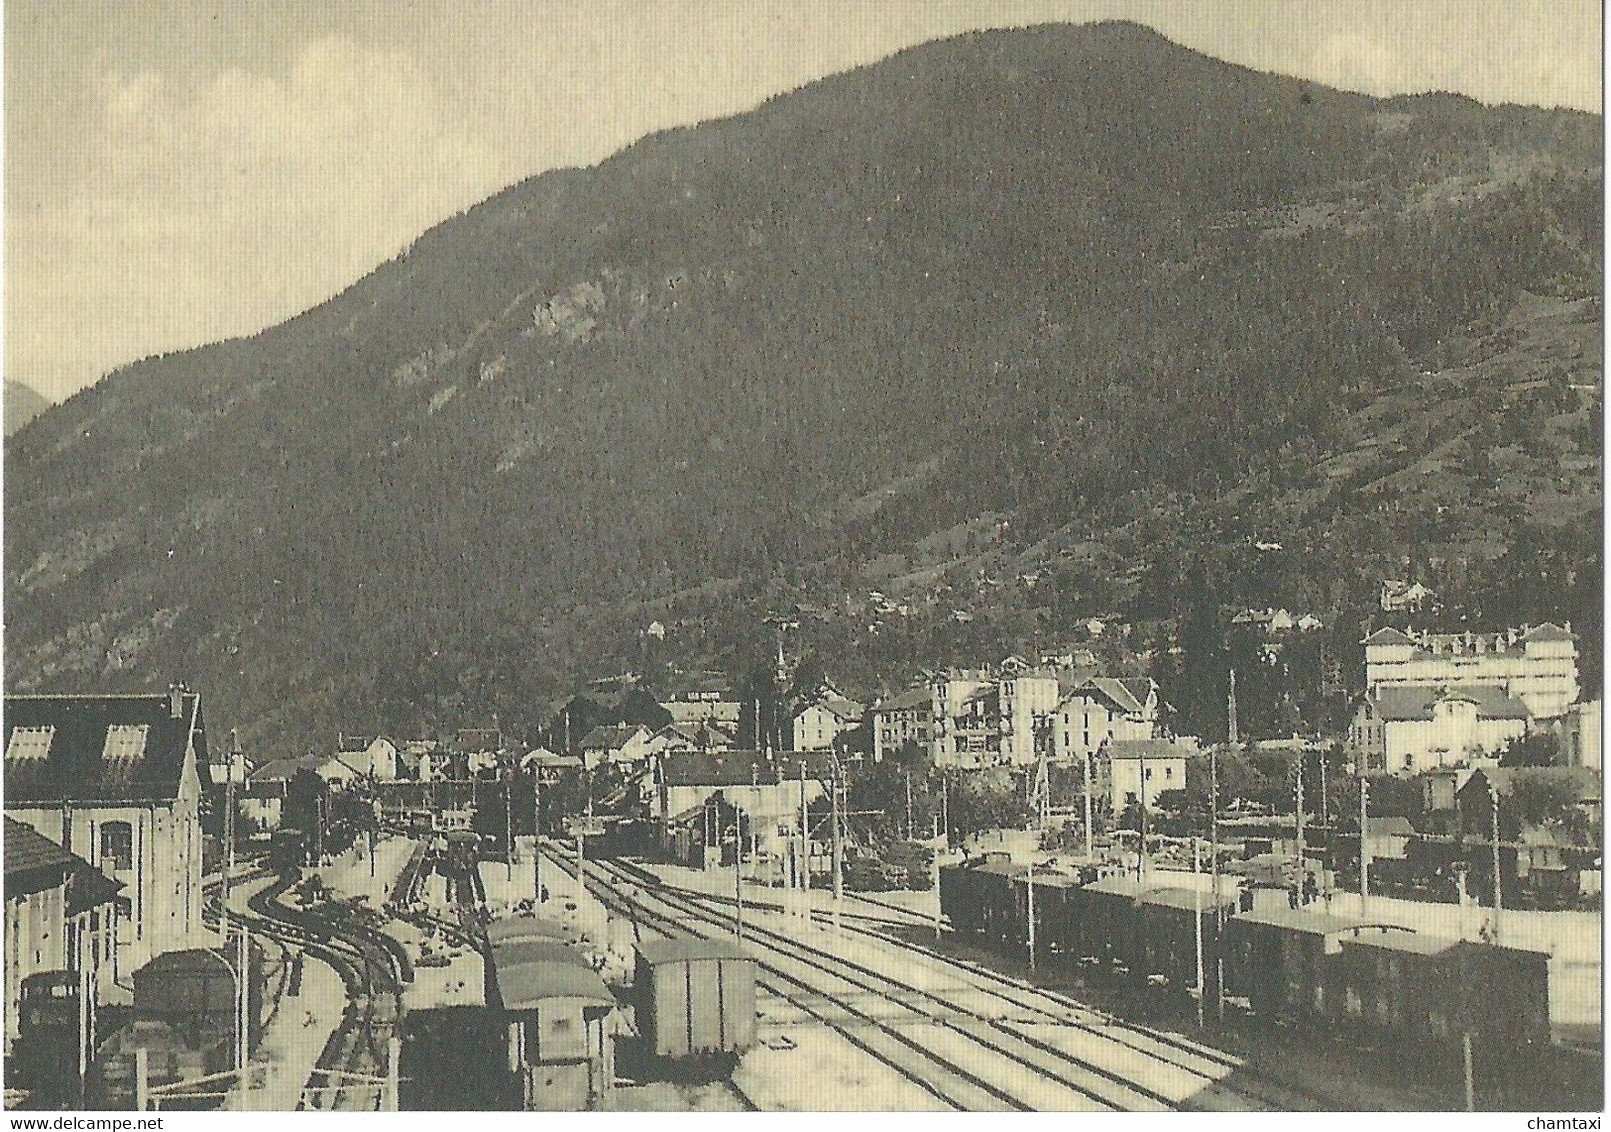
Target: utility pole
<point x="508" y="836"/>
<point x="1090" y="842"/>
<point x="1325" y="812"/>
<point x="229" y="834"/>
<point x="738" y="872"/>
<point x="1141" y="849"/>
<point x="581" y="866"/>
<point x="1300" y="820"/>
<point x="536" y="834"/>
<point x="1030" y="917"/>
<point x="1197" y="908"/>
<point x="1493" y="794"/>
<point x="908" y="805"/>
<point x="242" y="1010"/>
<point x="838" y="852"/>
<point x="1471" y="1084"/>
<point x="945" y="807"/>
<point x="1213" y="828"/>
<point x="805" y="849"/>
<point x="1364" y="840"/>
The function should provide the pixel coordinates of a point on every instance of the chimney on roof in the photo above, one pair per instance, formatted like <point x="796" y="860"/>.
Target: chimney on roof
<point x="176" y="700"/>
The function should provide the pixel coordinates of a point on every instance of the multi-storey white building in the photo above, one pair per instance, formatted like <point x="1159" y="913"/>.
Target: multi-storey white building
<point x="902" y="719"/>
<point x="818" y="725"/>
<point x="1537" y="665"/>
<point x="1101" y="708"/>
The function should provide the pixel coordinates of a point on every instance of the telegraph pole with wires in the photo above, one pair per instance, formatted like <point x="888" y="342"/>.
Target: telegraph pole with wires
<point x="1493" y="795"/>
<point x="1364" y="840"/>
<point x="838" y="850"/>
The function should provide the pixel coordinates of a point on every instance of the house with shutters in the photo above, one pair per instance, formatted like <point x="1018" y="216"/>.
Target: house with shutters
<point x="115" y="781"/>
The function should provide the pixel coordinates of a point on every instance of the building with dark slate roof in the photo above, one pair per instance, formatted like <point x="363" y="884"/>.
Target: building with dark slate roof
<point x="115" y="781"/>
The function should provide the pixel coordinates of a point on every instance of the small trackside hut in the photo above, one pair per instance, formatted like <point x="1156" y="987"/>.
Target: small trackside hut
<point x="696" y="1000"/>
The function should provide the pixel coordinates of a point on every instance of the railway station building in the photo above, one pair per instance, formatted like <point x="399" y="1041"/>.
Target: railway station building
<point x="115" y="781"/>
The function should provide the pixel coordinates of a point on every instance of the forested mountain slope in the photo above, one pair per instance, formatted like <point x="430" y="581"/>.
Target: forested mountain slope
<point x="1115" y="301"/>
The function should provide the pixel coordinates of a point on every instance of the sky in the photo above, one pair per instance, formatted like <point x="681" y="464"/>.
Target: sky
<point x="180" y="172"/>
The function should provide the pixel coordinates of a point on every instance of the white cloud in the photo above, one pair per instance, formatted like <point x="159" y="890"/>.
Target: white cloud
<point x="216" y="211"/>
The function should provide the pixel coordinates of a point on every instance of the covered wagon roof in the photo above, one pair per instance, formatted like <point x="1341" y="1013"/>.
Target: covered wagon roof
<point x="1309" y="922"/>
<point x="523" y="985"/>
<point x="657" y="951"/>
<point x="1412" y="942"/>
<point x="524" y="927"/>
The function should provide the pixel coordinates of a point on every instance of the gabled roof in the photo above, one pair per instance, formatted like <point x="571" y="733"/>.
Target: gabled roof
<point x="34" y="863"/>
<point x="1399" y="703"/>
<point x="28" y="850"/>
<point x="1548" y="632"/>
<point x="1387" y="636"/>
<point x="911" y="698"/>
<point x="610" y="738"/>
<point x="99" y="748"/>
<point x="1148" y="749"/>
<point x="283" y="770"/>
<point x="848" y="711"/>
<point x="353" y="744"/>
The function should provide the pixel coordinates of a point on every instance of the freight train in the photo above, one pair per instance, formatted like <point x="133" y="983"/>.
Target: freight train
<point x="1363" y="978"/>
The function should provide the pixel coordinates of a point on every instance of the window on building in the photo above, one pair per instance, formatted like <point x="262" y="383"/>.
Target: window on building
<point x="117" y="845"/>
<point x="124" y="742"/>
<point x="1169" y="772"/>
<point x="29" y="742"/>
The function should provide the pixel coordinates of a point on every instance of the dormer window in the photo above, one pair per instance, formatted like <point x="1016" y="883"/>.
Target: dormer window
<point x="124" y="742"/>
<point x="30" y="742"/>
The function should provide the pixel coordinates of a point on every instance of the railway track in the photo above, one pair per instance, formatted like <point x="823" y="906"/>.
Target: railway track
<point x="367" y="964"/>
<point x="1029" y="1004"/>
<point x="960" y="1060"/>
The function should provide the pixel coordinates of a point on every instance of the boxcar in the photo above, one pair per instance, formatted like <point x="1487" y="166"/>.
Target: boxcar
<point x="1109" y="921"/>
<point x="998" y="890"/>
<point x="1282" y="960"/>
<point x="695" y="996"/>
<point x="1056" y="924"/>
<point x="194" y="992"/>
<point x="957" y="904"/>
<point x="1165" y="940"/>
<point x="558" y="1014"/>
<point x="184" y="1016"/>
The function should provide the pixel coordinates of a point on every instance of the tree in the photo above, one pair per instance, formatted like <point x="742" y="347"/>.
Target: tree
<point x="1536" y="798"/>
<point x="1541" y="748"/>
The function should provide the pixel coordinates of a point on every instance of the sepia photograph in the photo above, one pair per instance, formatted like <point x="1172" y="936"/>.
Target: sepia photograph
<point x="792" y="556"/>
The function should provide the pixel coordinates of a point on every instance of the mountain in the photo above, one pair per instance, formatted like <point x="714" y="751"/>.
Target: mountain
<point x="1064" y="300"/>
<point x="22" y="404"/>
